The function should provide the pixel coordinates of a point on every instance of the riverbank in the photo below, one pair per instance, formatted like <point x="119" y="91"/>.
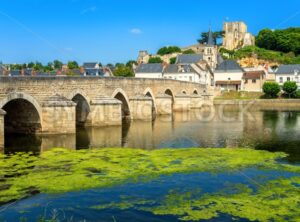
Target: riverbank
<point x="261" y="104"/>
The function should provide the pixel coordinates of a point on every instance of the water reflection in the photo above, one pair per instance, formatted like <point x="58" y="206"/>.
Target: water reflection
<point x="270" y="130"/>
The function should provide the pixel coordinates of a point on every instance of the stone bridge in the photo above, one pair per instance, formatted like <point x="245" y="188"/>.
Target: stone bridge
<point x="56" y="105"/>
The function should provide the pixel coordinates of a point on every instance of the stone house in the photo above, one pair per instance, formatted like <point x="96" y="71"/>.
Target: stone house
<point x="228" y="76"/>
<point x="254" y="80"/>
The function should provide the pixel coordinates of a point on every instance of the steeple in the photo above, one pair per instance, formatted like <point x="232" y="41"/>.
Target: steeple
<point x="210" y="39"/>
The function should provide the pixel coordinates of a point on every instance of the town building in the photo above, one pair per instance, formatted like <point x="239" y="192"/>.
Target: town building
<point x="237" y="36"/>
<point x="94" y="69"/>
<point x="254" y="80"/>
<point x="288" y="73"/>
<point x="228" y="76"/>
<point x="185" y="73"/>
<point x="150" y="71"/>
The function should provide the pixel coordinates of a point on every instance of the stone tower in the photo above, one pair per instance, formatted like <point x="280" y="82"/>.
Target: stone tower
<point x="211" y="51"/>
<point x="236" y="36"/>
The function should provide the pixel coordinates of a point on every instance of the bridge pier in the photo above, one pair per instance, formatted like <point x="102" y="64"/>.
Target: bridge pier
<point x="105" y="111"/>
<point x="164" y="104"/>
<point x="59" y="116"/>
<point x="196" y="101"/>
<point x="2" y="114"/>
<point x="141" y="108"/>
<point x="182" y="102"/>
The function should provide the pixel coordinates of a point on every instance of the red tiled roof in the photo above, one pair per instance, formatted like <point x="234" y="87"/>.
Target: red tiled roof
<point x="253" y="74"/>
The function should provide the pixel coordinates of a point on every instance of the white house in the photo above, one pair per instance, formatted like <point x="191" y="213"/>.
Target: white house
<point x="229" y="75"/>
<point x="199" y="66"/>
<point x="288" y="73"/>
<point x="182" y="73"/>
<point x="152" y="71"/>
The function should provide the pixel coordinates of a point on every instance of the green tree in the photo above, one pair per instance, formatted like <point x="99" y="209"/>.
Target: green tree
<point x="123" y="71"/>
<point x="155" y="60"/>
<point x="38" y="66"/>
<point x="73" y="65"/>
<point x="271" y="89"/>
<point x="49" y="67"/>
<point x="189" y="51"/>
<point x="30" y="65"/>
<point x="290" y="88"/>
<point x="216" y="35"/>
<point x="57" y="64"/>
<point x="173" y="60"/>
<point x="286" y="40"/>
<point x="130" y="63"/>
<point x="168" y="50"/>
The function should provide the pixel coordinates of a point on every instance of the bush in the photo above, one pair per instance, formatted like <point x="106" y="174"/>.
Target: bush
<point x="168" y="50"/>
<point x="155" y="60"/>
<point x="173" y="60"/>
<point x="189" y="51"/>
<point x="290" y="88"/>
<point x="297" y="94"/>
<point x="271" y="89"/>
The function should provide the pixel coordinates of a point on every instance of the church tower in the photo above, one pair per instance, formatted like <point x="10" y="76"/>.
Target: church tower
<point x="211" y="51"/>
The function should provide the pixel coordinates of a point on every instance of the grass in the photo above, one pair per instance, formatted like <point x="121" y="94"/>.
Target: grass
<point x="234" y="95"/>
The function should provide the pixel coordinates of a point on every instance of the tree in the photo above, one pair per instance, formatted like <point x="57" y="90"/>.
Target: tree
<point x="290" y="88"/>
<point x="130" y="63"/>
<point x="123" y="71"/>
<point x="271" y="89"/>
<point x="173" y="60"/>
<point x="168" y="50"/>
<point x="216" y="36"/>
<point x="48" y="67"/>
<point x="189" y="51"/>
<point x="286" y="40"/>
<point x="57" y="64"/>
<point x="30" y="65"/>
<point x="73" y="65"/>
<point x="38" y="66"/>
<point x="155" y="60"/>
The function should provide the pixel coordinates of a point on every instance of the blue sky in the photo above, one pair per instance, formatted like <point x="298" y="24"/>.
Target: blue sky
<point x="114" y="31"/>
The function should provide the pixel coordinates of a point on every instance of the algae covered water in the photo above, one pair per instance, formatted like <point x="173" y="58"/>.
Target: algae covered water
<point x="258" y="182"/>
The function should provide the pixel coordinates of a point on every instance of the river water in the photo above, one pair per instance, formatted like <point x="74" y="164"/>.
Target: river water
<point x="275" y="131"/>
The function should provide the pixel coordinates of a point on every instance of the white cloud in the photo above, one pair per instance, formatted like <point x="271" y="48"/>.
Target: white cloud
<point x="136" y="31"/>
<point x="90" y="9"/>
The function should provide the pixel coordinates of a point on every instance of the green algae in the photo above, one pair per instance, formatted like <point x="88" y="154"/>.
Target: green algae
<point x="277" y="200"/>
<point x="62" y="170"/>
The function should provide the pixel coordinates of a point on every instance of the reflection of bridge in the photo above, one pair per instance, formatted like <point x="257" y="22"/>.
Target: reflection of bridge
<point x="53" y="105"/>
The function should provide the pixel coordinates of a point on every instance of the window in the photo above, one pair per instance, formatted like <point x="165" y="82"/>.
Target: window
<point x="288" y="79"/>
<point x="191" y="78"/>
<point x="253" y="80"/>
<point x="246" y="81"/>
<point x="281" y="79"/>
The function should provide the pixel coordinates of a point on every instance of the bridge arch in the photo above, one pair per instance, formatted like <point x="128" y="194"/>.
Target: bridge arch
<point x="170" y="93"/>
<point x="121" y="95"/>
<point x="23" y="114"/>
<point x="82" y="109"/>
<point x="183" y="91"/>
<point x="149" y="93"/>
